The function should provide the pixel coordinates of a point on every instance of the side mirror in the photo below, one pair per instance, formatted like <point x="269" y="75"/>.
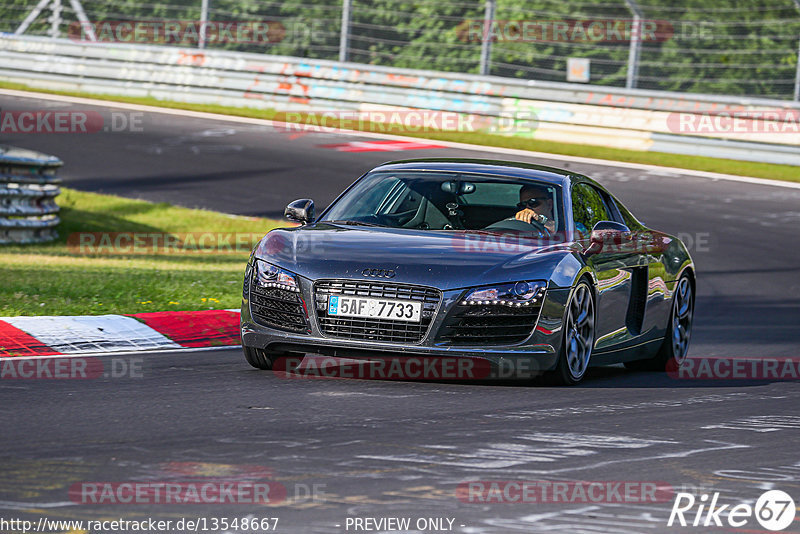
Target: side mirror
<point x="301" y="211"/>
<point x="607" y="233"/>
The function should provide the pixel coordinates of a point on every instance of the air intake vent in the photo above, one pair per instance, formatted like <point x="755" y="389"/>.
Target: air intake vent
<point x="278" y="308"/>
<point x="488" y="325"/>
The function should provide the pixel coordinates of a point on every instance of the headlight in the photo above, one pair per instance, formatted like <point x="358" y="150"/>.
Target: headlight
<point x="268" y="275"/>
<point x="513" y="294"/>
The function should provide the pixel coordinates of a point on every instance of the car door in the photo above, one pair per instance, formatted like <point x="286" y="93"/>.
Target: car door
<point x="620" y="276"/>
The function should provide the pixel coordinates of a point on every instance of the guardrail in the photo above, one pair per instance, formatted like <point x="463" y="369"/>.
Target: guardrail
<point x="28" y="210"/>
<point x="574" y="113"/>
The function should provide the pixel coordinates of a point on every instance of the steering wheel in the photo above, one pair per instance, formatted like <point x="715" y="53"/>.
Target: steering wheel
<point x="515" y="224"/>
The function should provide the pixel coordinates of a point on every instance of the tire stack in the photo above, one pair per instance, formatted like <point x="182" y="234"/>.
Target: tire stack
<point x="28" y="209"/>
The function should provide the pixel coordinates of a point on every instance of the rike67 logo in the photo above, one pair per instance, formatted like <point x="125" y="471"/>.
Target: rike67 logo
<point x="774" y="510"/>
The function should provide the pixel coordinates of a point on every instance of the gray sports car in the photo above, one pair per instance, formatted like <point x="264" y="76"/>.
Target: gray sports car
<point x="472" y="260"/>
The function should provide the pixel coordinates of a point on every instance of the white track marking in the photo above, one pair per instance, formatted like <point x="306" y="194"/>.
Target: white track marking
<point x="85" y="334"/>
<point x="122" y="353"/>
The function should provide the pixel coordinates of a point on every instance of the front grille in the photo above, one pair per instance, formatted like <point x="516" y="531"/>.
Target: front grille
<point x="386" y="330"/>
<point x="488" y="325"/>
<point x="278" y="308"/>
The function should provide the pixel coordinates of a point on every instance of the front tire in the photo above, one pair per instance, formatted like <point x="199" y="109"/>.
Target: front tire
<point x="675" y="346"/>
<point x="265" y="360"/>
<point x="258" y="358"/>
<point x="578" y="338"/>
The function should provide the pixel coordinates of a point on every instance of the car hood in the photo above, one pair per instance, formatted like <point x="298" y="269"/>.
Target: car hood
<point x="444" y="259"/>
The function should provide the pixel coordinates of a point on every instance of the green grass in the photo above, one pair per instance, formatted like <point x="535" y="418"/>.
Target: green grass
<point x="59" y="279"/>
<point x="725" y="166"/>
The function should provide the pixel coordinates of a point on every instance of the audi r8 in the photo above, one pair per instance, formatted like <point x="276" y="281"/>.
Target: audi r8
<point x="478" y="259"/>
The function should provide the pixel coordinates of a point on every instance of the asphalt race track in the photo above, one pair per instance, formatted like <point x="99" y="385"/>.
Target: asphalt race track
<point x="356" y="448"/>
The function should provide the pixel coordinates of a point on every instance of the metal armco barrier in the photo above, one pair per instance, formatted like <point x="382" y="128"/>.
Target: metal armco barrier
<point x="573" y="113"/>
<point x="28" y="210"/>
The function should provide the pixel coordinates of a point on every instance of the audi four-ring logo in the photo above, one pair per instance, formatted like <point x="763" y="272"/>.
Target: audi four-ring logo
<point x="378" y="273"/>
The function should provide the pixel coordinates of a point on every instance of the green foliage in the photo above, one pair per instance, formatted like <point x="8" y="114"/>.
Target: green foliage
<point x="738" y="47"/>
<point x="60" y="278"/>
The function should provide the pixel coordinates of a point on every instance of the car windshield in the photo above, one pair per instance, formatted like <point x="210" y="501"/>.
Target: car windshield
<point x="448" y="201"/>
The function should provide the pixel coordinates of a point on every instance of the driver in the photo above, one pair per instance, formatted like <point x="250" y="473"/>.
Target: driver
<point x="536" y="204"/>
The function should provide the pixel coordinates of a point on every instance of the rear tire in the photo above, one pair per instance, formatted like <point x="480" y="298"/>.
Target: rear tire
<point x="578" y="338"/>
<point x="673" y="350"/>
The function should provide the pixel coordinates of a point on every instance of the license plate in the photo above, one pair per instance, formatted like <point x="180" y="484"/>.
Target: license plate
<point x="397" y="310"/>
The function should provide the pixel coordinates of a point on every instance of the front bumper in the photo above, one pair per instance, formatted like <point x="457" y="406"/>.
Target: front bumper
<point x="539" y="351"/>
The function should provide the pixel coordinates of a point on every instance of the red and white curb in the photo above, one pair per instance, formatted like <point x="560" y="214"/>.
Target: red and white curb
<point x="87" y="334"/>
